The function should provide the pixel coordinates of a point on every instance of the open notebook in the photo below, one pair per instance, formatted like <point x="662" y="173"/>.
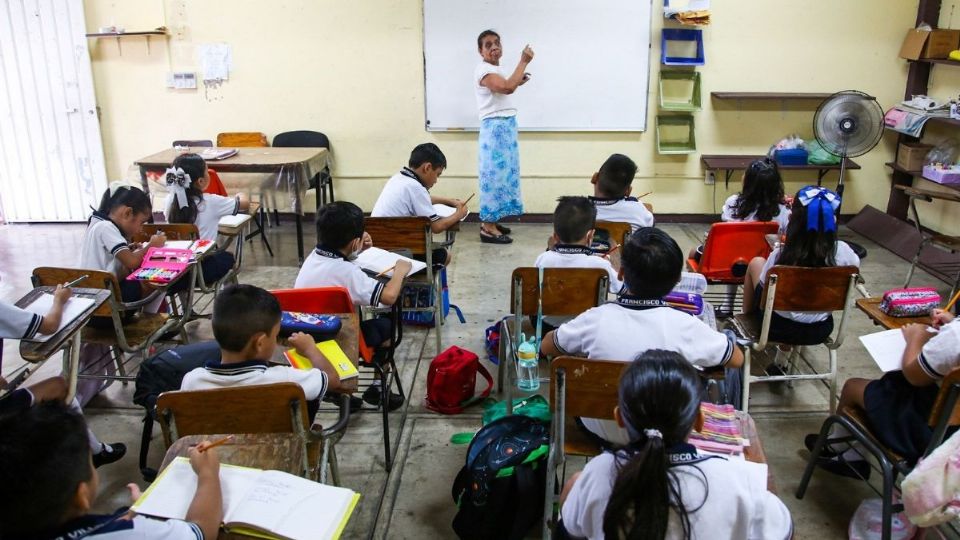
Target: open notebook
<point x="375" y="260"/>
<point x="266" y="504"/>
<point x="74" y="307"/>
<point x="443" y="211"/>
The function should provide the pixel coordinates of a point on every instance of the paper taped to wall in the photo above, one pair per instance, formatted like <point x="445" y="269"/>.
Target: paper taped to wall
<point x="216" y="60"/>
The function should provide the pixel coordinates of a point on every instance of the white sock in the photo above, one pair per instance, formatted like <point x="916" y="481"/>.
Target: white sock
<point x="95" y="445"/>
<point x="154" y="307"/>
<point x="852" y="455"/>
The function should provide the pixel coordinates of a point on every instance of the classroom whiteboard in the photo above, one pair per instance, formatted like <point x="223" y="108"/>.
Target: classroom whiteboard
<point x="590" y="73"/>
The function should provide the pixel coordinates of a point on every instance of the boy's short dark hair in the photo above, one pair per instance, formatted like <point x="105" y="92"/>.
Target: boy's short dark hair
<point x="240" y="312"/>
<point x="652" y="262"/>
<point x="427" y="153"/>
<point x="573" y="218"/>
<point x="46" y="455"/>
<point x="338" y="224"/>
<point x="484" y="34"/>
<point x="615" y="176"/>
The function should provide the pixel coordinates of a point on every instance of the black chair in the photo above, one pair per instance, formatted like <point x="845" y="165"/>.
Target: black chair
<point x="191" y="142"/>
<point x="322" y="181"/>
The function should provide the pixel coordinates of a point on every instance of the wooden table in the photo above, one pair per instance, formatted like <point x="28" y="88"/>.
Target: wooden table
<point x="871" y="306"/>
<point x="730" y="163"/>
<point x="293" y="168"/>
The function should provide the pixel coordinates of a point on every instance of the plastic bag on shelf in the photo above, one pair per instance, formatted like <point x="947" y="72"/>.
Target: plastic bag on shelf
<point x="945" y="151"/>
<point x="788" y="143"/>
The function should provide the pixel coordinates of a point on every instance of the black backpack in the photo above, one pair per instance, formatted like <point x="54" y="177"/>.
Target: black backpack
<point x="161" y="373"/>
<point x="500" y="490"/>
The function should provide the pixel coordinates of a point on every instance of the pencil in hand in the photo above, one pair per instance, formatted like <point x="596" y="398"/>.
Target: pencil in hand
<point x="611" y="251"/>
<point x="952" y="302"/>
<point x="381" y="274"/>
<point x="206" y="445"/>
<point x="468" y="199"/>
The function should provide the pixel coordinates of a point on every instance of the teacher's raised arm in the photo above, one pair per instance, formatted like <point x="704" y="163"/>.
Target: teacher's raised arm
<point x="498" y="155"/>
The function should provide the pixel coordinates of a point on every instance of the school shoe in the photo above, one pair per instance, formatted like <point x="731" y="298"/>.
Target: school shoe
<point x="334" y="399"/>
<point x="372" y="396"/>
<point x="106" y="457"/>
<point x="488" y="238"/>
<point x="810" y="441"/>
<point x="858" y="470"/>
<point x="502" y="229"/>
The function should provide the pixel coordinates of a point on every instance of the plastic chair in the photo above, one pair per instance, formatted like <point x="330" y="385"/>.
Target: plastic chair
<point x="726" y="253"/>
<point x="322" y="181"/>
<point x="337" y="300"/>
<point x="215" y="186"/>
<point x="789" y="288"/>
<point x="945" y="413"/>
<point x="593" y="396"/>
<point x="264" y="408"/>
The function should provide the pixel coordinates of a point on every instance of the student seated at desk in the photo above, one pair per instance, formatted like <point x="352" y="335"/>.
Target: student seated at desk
<point x="898" y="404"/>
<point x="612" y="185"/>
<point x="16" y="323"/>
<point x="658" y="486"/>
<point x="106" y="243"/>
<point x="811" y="242"/>
<point x="573" y="222"/>
<point x="246" y="323"/>
<point x="407" y="194"/>
<point x="187" y="203"/>
<point x="640" y="320"/>
<point x="50" y="485"/>
<point x="341" y="236"/>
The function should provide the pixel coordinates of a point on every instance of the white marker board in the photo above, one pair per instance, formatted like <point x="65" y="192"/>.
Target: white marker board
<point x="591" y="71"/>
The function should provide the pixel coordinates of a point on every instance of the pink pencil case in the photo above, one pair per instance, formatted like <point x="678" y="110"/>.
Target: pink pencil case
<point x="913" y="302"/>
<point x="162" y="265"/>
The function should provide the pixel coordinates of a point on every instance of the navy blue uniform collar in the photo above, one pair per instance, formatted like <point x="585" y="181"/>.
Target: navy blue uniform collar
<point x="83" y="527"/>
<point x="325" y="251"/>
<point x="634" y="302"/>
<point x="572" y="249"/>
<point x="607" y="201"/>
<point x="236" y="366"/>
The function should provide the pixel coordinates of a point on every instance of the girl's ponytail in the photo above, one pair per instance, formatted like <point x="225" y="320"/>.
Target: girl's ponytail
<point x="639" y="505"/>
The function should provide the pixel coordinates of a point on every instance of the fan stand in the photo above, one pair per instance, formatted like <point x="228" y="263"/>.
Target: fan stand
<point x="857" y="248"/>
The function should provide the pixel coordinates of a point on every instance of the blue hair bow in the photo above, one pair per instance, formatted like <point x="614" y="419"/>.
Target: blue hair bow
<point x="821" y="203"/>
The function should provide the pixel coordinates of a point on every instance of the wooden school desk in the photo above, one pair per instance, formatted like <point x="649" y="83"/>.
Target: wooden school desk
<point x="349" y="340"/>
<point x="293" y="167"/>
<point x="67" y="338"/>
<point x="871" y="306"/>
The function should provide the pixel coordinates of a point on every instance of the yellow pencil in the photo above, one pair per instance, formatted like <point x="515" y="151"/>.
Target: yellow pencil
<point x="468" y="198"/>
<point x="381" y="274"/>
<point x="952" y="301"/>
<point x="203" y="447"/>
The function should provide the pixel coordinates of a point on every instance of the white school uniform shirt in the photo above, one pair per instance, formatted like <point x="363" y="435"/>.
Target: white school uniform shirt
<point x="210" y="209"/>
<point x="941" y="354"/>
<point x="217" y="375"/>
<point x="731" y="495"/>
<point x="16" y="323"/>
<point x="101" y="243"/>
<point x="327" y="268"/>
<point x="490" y="103"/>
<point x="782" y="218"/>
<point x="844" y="256"/>
<point x="622" y="330"/>
<point x="627" y="210"/>
<point x="404" y="196"/>
<point x="114" y="527"/>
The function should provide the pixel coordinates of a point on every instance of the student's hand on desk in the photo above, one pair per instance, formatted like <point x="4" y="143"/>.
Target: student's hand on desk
<point x="61" y="295"/>
<point x="157" y="240"/>
<point x="207" y="463"/>
<point x="917" y="333"/>
<point x="402" y="268"/>
<point x="366" y="241"/>
<point x="941" y="317"/>
<point x="303" y="343"/>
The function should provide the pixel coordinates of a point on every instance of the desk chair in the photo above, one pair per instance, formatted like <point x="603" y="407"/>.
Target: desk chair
<point x="412" y="235"/>
<point x="945" y="414"/>
<point x="618" y="231"/>
<point x="789" y="288"/>
<point x="726" y="253"/>
<point x="573" y="396"/>
<point x="135" y="336"/>
<point x="263" y="408"/>
<point x="337" y="300"/>
<point x="322" y="181"/>
<point x="565" y="292"/>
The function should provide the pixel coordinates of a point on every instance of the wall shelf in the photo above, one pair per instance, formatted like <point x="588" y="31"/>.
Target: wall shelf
<point x="939" y="61"/>
<point x="772" y="96"/>
<point x="146" y="34"/>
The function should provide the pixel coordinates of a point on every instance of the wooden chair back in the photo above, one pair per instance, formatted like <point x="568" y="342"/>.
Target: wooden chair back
<point x="96" y="279"/>
<point x="566" y="291"/>
<point x="616" y="230"/>
<point x="264" y="408"/>
<point x="399" y="233"/>
<point x="173" y="231"/>
<point x="942" y="402"/>
<point x="810" y="289"/>
<point x="241" y="139"/>
<point x="730" y="244"/>
<point x="590" y="386"/>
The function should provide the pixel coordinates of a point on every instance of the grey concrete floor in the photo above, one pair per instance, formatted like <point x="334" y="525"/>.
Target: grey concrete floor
<point x="414" y="500"/>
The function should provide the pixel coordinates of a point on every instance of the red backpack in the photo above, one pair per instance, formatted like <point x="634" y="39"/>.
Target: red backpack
<point x="452" y="379"/>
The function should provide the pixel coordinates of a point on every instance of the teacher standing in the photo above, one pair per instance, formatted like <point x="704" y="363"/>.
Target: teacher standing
<point x="499" y="155"/>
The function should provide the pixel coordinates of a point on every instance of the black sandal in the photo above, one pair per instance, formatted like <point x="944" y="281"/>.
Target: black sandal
<point x="502" y="229"/>
<point x="488" y="238"/>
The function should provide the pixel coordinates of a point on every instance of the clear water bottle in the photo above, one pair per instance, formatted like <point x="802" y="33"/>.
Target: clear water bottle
<point x="528" y="377"/>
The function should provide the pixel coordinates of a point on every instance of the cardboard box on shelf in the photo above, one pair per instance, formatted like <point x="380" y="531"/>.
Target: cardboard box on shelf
<point x="924" y="44"/>
<point x="910" y="155"/>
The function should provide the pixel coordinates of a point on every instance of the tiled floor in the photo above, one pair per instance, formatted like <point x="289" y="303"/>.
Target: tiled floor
<point x="414" y="500"/>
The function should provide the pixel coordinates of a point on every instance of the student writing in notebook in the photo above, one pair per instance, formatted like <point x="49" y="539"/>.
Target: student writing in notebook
<point x="898" y="405"/>
<point x="407" y="194"/>
<point x="50" y="485"/>
<point x="612" y="186"/>
<point x="340" y="238"/>
<point x="640" y="320"/>
<point x="658" y="486"/>
<point x="246" y="323"/>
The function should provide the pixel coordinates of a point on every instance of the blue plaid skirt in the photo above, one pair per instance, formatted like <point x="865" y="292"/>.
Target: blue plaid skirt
<point x="499" y="158"/>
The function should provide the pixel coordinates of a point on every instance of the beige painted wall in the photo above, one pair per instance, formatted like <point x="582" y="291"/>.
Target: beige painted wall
<point x="355" y="71"/>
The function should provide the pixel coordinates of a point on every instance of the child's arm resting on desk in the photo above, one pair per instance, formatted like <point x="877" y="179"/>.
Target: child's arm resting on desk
<point x="131" y="259"/>
<point x="916" y="363"/>
<point x="51" y="321"/>
<point x="391" y="291"/>
<point x="307" y="347"/>
<point x="206" y="510"/>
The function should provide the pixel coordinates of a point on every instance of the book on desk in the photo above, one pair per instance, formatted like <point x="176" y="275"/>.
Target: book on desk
<point x="72" y="309"/>
<point x="265" y="504"/>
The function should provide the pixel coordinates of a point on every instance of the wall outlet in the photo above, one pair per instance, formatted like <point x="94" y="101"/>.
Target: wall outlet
<point x="710" y="178"/>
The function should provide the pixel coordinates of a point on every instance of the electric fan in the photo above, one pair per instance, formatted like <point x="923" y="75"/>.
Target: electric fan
<point x="848" y="124"/>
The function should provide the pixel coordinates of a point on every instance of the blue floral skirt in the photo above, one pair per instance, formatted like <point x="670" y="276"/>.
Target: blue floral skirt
<point x="499" y="158"/>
